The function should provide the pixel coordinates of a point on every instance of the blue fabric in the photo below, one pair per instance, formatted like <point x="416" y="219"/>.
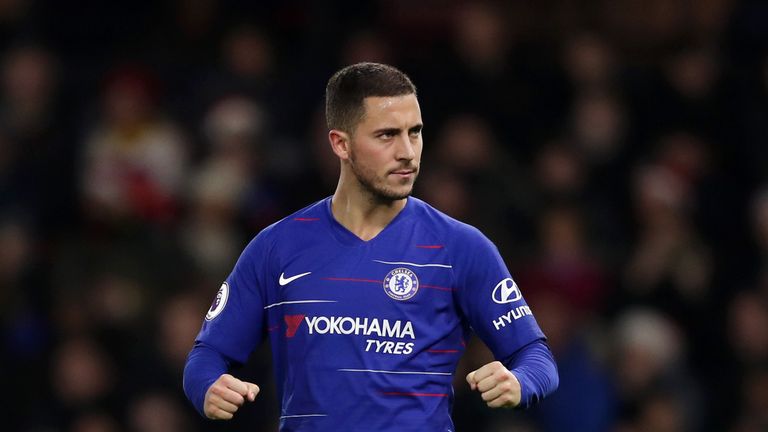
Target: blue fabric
<point x="366" y="335"/>
<point x="535" y="369"/>
<point x="204" y="366"/>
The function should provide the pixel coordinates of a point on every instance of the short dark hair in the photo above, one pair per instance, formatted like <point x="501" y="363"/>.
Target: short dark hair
<point x="348" y="87"/>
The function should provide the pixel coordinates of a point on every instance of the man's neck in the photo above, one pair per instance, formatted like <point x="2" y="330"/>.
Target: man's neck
<point x="362" y="214"/>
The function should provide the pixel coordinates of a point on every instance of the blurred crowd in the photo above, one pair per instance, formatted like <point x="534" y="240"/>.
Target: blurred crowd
<point x="616" y="151"/>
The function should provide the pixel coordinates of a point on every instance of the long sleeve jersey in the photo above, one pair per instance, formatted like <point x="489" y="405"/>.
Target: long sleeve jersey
<point x="366" y="335"/>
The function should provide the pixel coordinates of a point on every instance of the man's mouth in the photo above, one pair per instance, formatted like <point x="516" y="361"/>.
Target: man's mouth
<point x="404" y="172"/>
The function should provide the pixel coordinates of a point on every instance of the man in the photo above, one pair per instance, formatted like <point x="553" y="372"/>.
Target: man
<point x="368" y="296"/>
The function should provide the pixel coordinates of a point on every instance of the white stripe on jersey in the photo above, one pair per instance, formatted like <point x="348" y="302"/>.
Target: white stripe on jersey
<point x="299" y="301"/>
<point x="413" y="264"/>
<point x="395" y="372"/>
<point x="303" y="415"/>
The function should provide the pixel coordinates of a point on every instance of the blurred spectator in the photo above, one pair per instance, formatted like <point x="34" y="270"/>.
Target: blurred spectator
<point x="29" y="79"/>
<point x="589" y="62"/>
<point x="482" y="38"/>
<point x="564" y="266"/>
<point x="646" y="26"/>
<point x="218" y="187"/>
<point x="12" y="18"/>
<point x="36" y="159"/>
<point x="366" y="47"/>
<point x="466" y="144"/>
<point x="485" y="69"/>
<point x="108" y="302"/>
<point x="95" y="422"/>
<point x="82" y="374"/>
<point x="158" y="412"/>
<point x="670" y="263"/>
<point x="661" y="412"/>
<point x="466" y="154"/>
<point x="232" y="184"/>
<point x="246" y="67"/>
<point x="563" y="177"/>
<point x="115" y="301"/>
<point x="15" y="256"/>
<point x="653" y="381"/>
<point x="748" y="329"/>
<point x="247" y="55"/>
<point x="178" y="324"/>
<point x="135" y="160"/>
<point x="191" y="34"/>
<point x="599" y="127"/>
<point x="754" y="400"/>
<point x="598" y="134"/>
<point x="560" y="173"/>
<point x="692" y="72"/>
<point x="446" y="191"/>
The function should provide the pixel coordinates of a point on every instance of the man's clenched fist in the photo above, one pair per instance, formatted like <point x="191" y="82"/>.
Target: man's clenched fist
<point x="498" y="386"/>
<point x="226" y="395"/>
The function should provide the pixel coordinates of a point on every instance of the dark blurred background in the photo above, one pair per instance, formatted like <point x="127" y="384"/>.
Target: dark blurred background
<point x="615" y="150"/>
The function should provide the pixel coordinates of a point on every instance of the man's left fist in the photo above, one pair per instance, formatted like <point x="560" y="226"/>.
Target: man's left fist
<point x="498" y="386"/>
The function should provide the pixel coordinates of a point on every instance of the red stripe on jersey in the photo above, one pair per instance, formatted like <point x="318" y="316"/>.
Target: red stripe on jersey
<point x="444" y="351"/>
<point x="306" y="219"/>
<point x="437" y="287"/>
<point x="353" y="280"/>
<point x="429" y="246"/>
<point x="414" y="394"/>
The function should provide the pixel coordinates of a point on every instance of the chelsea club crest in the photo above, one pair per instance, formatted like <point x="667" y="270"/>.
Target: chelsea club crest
<point x="401" y="284"/>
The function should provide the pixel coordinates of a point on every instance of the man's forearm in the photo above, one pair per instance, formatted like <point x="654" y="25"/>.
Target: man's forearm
<point x="204" y="366"/>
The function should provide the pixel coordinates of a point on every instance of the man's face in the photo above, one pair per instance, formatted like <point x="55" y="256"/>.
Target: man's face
<point x="385" y="149"/>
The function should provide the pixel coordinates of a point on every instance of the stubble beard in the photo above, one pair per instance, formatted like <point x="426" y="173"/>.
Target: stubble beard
<point x="375" y="186"/>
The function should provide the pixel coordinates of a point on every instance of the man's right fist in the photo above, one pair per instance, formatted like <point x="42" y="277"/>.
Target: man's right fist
<point x="226" y="395"/>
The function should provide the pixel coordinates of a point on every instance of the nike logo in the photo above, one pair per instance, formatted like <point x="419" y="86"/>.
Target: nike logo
<point x="285" y="281"/>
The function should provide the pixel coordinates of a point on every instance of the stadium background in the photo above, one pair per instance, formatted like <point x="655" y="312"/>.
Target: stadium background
<point x="616" y="151"/>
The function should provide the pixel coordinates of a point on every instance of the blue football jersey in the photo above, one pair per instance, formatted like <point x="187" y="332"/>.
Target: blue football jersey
<point x="366" y="335"/>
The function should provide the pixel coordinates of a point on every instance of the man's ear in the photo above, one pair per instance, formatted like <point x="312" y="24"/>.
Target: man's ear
<point x="339" y="143"/>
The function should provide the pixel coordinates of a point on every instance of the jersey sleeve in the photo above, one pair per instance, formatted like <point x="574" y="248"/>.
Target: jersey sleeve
<point x="536" y="370"/>
<point x="234" y="325"/>
<point x="488" y="296"/>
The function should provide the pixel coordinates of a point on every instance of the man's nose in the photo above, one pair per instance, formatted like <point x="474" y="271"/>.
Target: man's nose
<point x="405" y="148"/>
